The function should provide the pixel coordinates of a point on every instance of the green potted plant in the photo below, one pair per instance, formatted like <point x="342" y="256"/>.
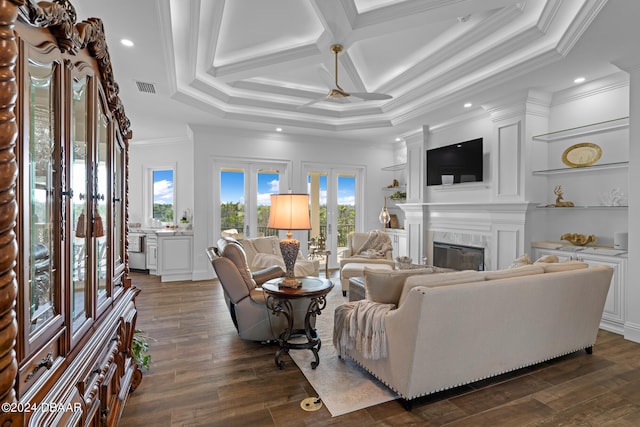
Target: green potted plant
<point x="140" y="349"/>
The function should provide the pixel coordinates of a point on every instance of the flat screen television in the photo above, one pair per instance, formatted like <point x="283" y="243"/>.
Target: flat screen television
<point x="455" y="163"/>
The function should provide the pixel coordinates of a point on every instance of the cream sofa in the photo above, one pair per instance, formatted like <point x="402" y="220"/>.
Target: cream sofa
<point x="451" y="329"/>
<point x="263" y="252"/>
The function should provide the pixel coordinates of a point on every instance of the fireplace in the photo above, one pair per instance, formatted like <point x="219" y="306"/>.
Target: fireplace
<point x="458" y="257"/>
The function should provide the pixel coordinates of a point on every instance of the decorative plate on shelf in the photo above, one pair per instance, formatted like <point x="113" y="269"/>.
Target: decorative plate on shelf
<point x="582" y="154"/>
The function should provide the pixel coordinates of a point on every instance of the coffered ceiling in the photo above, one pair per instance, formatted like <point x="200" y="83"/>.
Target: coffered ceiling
<point x="261" y="64"/>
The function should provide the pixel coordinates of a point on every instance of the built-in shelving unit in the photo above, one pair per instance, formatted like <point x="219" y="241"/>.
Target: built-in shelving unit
<point x="568" y="209"/>
<point x="601" y="166"/>
<point x="398" y="167"/>
<point x="590" y="129"/>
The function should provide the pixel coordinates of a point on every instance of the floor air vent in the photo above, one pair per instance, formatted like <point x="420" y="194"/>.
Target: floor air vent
<point x="146" y="87"/>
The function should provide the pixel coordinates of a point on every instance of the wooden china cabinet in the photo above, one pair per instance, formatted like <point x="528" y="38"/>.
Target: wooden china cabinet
<point x="67" y="312"/>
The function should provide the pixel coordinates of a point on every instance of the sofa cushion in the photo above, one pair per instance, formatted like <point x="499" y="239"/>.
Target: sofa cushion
<point x="551" y="267"/>
<point x="385" y="286"/>
<point x="525" y="270"/>
<point x="439" y="279"/>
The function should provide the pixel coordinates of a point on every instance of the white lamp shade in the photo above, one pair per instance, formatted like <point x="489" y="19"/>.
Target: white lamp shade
<point x="289" y="212"/>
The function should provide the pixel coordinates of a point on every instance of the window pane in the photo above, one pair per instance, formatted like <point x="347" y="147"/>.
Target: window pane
<point x="232" y="200"/>
<point x="268" y="184"/>
<point x="163" y="195"/>
<point x="346" y="207"/>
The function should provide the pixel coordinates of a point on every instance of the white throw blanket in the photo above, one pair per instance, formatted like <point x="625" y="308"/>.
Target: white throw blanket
<point x="359" y="325"/>
<point x="377" y="245"/>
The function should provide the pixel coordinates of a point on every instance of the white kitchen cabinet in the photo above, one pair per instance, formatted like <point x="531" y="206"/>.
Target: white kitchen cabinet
<point x="398" y="241"/>
<point x="175" y="256"/>
<point x="152" y="253"/>
<point x="613" y="316"/>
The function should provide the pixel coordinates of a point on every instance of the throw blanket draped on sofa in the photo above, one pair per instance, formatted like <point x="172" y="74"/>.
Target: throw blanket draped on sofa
<point x="377" y="245"/>
<point x="359" y="325"/>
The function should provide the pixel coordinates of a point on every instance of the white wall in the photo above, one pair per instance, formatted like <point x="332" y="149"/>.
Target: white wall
<point x="215" y="143"/>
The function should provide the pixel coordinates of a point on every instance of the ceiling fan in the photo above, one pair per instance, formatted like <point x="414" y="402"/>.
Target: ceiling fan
<point x="338" y="93"/>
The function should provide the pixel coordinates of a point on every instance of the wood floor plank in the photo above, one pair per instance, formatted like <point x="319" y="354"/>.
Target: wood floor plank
<point x="203" y="374"/>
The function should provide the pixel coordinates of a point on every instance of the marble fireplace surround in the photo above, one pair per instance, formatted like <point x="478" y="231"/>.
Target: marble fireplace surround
<point x="500" y="228"/>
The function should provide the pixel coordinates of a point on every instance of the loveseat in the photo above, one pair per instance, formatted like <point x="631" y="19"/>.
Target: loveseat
<point x="264" y="252"/>
<point x="451" y="329"/>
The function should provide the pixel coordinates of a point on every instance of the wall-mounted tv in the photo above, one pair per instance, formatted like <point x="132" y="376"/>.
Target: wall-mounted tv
<point x="455" y="163"/>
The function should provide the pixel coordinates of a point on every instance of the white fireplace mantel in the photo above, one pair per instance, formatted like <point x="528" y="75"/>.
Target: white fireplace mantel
<point x="499" y="227"/>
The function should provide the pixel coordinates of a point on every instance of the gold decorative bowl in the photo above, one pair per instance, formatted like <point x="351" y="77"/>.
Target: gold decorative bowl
<point x="578" y="239"/>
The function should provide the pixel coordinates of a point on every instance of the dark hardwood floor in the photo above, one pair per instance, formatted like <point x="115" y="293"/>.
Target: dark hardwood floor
<point x="203" y="374"/>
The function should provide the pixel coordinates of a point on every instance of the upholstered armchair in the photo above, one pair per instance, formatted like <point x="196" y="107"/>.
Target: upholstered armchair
<point x="372" y="250"/>
<point x="244" y="297"/>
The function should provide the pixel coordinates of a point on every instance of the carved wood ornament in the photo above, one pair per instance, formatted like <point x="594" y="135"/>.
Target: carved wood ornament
<point x="59" y="18"/>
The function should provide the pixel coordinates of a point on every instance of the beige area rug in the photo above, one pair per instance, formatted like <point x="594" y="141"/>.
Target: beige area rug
<point x="342" y="385"/>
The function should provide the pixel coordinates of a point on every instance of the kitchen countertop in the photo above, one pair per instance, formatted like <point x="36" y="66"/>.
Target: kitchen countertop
<point x="560" y="246"/>
<point x="163" y="231"/>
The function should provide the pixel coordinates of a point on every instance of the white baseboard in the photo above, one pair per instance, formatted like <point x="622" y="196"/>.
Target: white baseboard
<point x="616" y="328"/>
<point x="632" y="332"/>
<point x="202" y="275"/>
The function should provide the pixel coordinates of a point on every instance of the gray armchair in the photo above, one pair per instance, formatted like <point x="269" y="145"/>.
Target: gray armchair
<point x="243" y="295"/>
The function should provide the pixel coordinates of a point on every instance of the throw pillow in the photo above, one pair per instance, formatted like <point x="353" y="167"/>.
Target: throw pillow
<point x="519" y="262"/>
<point x="249" y="249"/>
<point x="547" y="258"/>
<point x="440" y="279"/>
<point x="385" y="286"/>
<point x="525" y="270"/>
<point x="552" y="267"/>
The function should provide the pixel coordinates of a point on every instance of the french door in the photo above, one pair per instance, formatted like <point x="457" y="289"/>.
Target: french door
<point x="335" y="195"/>
<point x="242" y="197"/>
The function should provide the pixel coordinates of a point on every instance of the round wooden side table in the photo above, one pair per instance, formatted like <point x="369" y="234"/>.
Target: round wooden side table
<point x="279" y="301"/>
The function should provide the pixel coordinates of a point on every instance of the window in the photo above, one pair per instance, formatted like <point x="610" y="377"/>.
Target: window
<point x="163" y="195"/>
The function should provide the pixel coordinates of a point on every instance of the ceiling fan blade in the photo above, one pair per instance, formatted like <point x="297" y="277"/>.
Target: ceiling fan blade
<point x="371" y="96"/>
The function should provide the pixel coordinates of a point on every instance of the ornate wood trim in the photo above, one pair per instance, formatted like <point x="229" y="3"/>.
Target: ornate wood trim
<point x="59" y="17"/>
<point x="8" y="206"/>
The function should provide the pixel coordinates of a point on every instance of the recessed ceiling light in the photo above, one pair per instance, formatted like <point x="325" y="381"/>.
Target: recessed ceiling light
<point x="467" y="105"/>
<point x="278" y="129"/>
<point x="398" y="139"/>
<point x="579" y="80"/>
<point x="126" y="42"/>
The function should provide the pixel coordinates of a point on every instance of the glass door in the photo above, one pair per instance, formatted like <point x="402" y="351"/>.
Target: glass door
<point x="78" y="175"/>
<point x="100" y="194"/>
<point x="243" y="198"/>
<point x="42" y="207"/>
<point x="334" y="196"/>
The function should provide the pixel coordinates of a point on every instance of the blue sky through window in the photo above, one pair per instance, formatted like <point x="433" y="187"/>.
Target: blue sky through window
<point x="232" y="188"/>
<point x="163" y="187"/>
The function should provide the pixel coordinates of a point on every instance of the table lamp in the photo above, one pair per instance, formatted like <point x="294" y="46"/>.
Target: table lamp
<point x="289" y="212"/>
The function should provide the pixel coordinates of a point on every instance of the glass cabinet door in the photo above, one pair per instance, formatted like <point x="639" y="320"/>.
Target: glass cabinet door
<point x="118" y="210"/>
<point x="100" y="193"/>
<point x="80" y="220"/>
<point x="42" y="209"/>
